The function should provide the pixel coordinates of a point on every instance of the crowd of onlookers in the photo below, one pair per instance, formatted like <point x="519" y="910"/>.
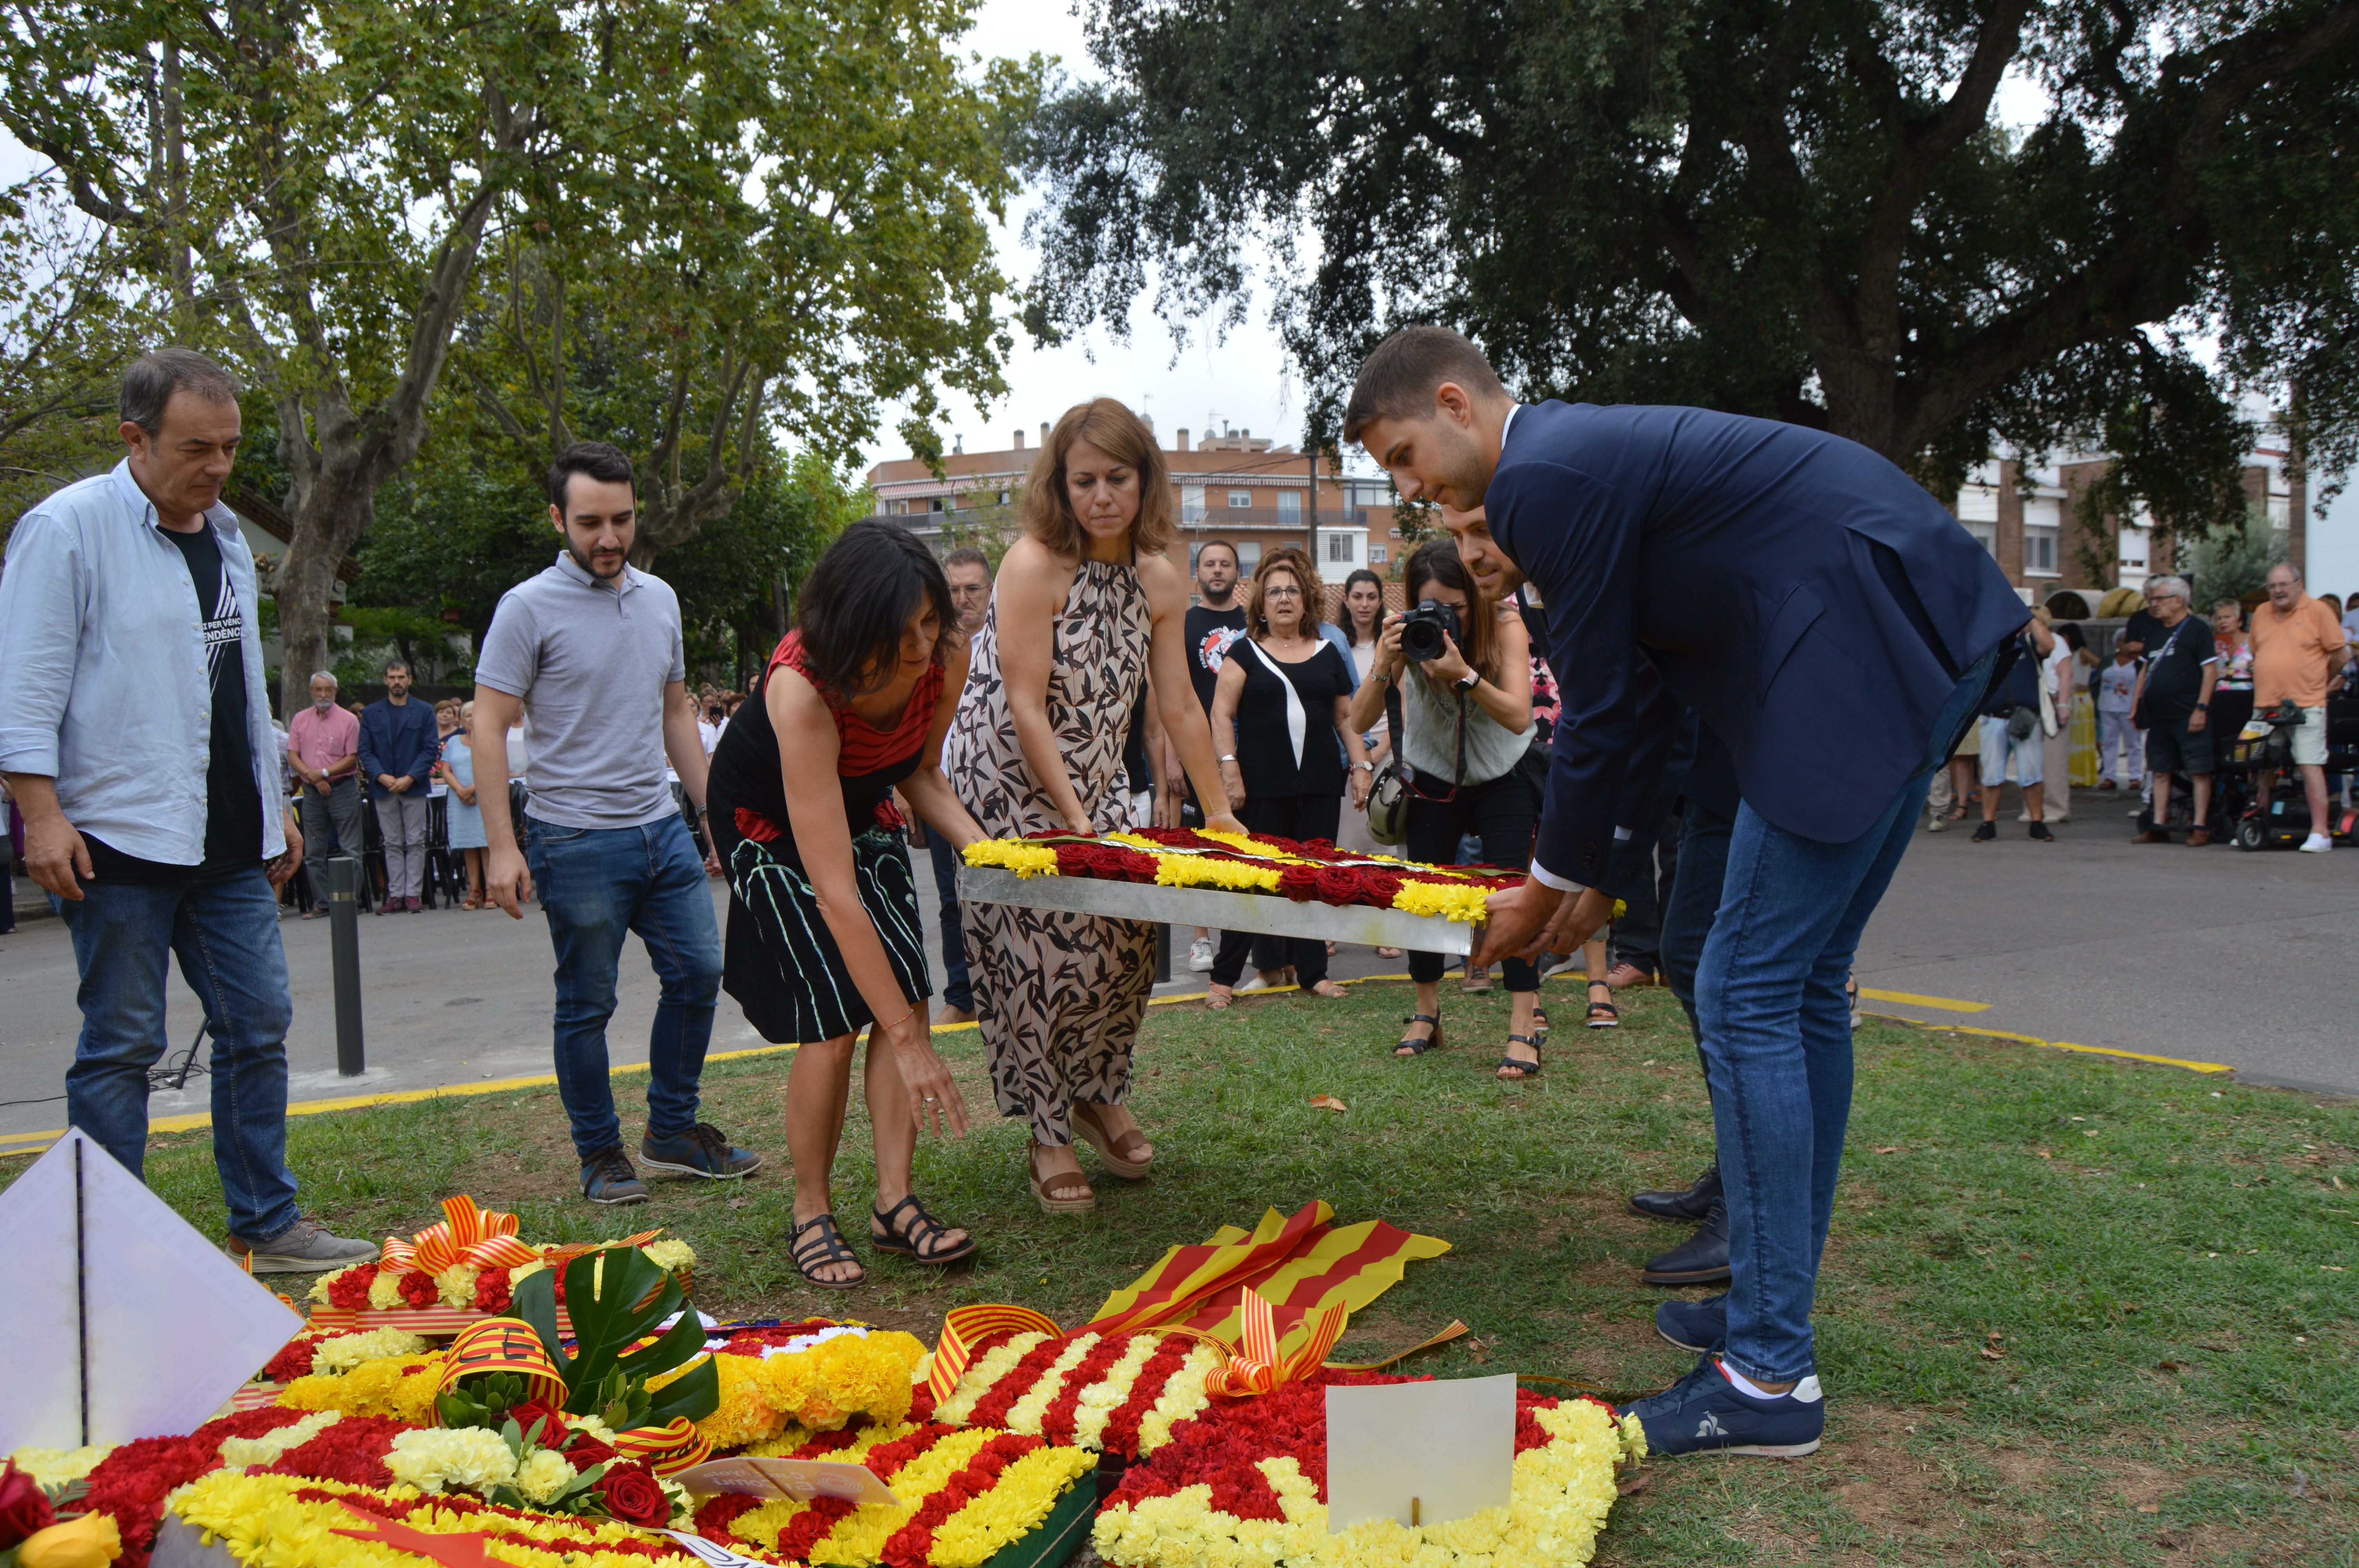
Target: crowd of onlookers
<point x="2173" y="698"/>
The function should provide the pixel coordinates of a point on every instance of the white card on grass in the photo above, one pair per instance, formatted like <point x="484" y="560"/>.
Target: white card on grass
<point x="172" y="1327"/>
<point x="1449" y="1443"/>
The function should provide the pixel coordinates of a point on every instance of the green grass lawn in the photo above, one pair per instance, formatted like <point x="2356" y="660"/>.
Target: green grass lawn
<point x="2074" y="1311"/>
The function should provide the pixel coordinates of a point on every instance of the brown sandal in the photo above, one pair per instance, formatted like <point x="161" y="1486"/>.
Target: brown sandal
<point x="1066" y="1193"/>
<point x="1130" y="1156"/>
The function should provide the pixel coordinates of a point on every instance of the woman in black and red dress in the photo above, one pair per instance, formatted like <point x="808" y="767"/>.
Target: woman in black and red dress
<point x="824" y="933"/>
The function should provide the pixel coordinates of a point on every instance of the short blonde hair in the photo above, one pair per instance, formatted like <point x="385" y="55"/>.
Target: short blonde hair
<point x="1123" y="435"/>
<point x="1289" y="559"/>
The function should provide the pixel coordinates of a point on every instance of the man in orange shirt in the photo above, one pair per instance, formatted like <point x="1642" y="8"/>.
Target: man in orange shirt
<point x="2297" y="648"/>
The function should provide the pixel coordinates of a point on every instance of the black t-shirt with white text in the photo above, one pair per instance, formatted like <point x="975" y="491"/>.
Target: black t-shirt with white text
<point x="233" y="803"/>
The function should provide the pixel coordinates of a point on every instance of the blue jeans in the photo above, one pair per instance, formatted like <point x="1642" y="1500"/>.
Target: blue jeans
<point x="225" y="932"/>
<point x="595" y="885"/>
<point x="1700" y="869"/>
<point x="957" y="991"/>
<point x="1776" y="1046"/>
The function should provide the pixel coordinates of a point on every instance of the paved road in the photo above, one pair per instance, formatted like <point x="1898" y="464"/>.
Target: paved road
<point x="2208" y="955"/>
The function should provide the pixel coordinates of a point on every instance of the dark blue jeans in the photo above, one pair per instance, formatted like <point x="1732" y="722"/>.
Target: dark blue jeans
<point x="1698" y="868"/>
<point x="957" y="991"/>
<point x="226" y="934"/>
<point x="1776" y="1047"/>
<point x="595" y="885"/>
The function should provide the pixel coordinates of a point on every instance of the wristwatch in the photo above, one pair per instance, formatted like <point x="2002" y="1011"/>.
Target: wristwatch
<point x="2202" y="708"/>
<point x="1370" y="767"/>
<point x="1473" y="678"/>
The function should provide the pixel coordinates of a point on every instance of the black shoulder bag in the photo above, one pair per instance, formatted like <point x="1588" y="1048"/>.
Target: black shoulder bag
<point x="1396" y="782"/>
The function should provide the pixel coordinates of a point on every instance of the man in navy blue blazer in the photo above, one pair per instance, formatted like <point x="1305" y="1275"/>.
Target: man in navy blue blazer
<point x="1837" y="630"/>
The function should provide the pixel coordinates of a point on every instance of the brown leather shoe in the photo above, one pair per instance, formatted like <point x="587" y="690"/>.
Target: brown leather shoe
<point x="2152" y="836"/>
<point x="2198" y="836"/>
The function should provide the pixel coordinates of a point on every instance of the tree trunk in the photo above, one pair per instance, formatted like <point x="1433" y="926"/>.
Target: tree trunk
<point x="329" y="508"/>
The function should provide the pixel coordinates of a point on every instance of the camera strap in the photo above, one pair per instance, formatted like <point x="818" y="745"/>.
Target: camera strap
<point x="1400" y="741"/>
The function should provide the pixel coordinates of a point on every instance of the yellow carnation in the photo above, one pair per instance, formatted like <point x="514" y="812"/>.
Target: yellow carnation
<point x="346" y="1351"/>
<point x="388" y="1387"/>
<point x="237" y="1452"/>
<point x="56" y="1466"/>
<point x="456" y="1285"/>
<point x="545" y="1474"/>
<point x="385" y="1292"/>
<point x="671" y="1257"/>
<point x="1026" y="859"/>
<point x="466" y="1457"/>
<point x="1463" y="905"/>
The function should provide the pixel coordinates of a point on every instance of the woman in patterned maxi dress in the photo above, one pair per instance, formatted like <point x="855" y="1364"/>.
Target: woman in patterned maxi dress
<point x="1084" y="609"/>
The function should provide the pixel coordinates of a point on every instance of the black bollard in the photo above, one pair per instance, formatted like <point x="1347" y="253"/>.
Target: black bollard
<point x="345" y="940"/>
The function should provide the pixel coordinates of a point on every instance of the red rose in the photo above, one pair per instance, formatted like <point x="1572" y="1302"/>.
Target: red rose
<point x="632" y="1495"/>
<point x="418" y="1288"/>
<point x="1338" y="886"/>
<point x="349" y="1289"/>
<point x="23" y="1506"/>
<point x="1299" y="883"/>
<point x="582" y="1451"/>
<point x="530" y="1410"/>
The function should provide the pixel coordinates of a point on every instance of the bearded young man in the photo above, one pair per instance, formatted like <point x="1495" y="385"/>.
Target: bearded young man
<point x="592" y="649"/>
<point x="1837" y="630"/>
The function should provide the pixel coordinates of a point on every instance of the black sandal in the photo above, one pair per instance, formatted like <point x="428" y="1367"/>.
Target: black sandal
<point x="917" y="1242"/>
<point x="1410" y="1046"/>
<point x="1613" y="1014"/>
<point x="1531" y="1069"/>
<point x="824" y="1247"/>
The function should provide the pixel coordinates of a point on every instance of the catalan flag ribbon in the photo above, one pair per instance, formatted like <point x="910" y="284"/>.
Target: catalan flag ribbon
<point x="668" y="1449"/>
<point x="965" y="1327"/>
<point x="1302" y="1266"/>
<point x="1255" y="1364"/>
<point x="478" y="1237"/>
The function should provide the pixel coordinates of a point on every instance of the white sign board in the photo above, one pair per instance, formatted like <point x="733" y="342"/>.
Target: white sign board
<point x="121" y="1319"/>
<point x="1450" y="1445"/>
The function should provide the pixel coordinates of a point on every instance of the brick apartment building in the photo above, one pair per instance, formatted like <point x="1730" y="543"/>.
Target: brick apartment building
<point x="2045" y="537"/>
<point x="1236" y="486"/>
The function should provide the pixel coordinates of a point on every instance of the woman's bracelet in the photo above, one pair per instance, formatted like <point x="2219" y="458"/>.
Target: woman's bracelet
<point x="897" y="1022"/>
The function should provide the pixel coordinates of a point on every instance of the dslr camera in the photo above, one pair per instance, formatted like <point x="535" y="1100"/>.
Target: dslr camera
<point x="1423" y="628"/>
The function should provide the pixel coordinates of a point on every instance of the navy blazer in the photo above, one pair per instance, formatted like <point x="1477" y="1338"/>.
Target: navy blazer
<point x="1809" y="600"/>
<point x="398" y="740"/>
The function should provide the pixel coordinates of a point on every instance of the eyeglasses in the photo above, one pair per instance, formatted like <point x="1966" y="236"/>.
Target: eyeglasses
<point x="1281" y="593"/>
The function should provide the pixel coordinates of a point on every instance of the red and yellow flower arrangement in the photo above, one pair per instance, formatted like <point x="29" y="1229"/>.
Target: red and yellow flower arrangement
<point x="1252" y="862"/>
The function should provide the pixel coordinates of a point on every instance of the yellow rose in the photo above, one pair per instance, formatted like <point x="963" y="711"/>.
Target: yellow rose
<point x="90" y="1540"/>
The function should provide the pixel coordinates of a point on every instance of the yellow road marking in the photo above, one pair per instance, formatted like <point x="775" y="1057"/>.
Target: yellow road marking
<point x="1946" y="1004"/>
<point x="2061" y="1044"/>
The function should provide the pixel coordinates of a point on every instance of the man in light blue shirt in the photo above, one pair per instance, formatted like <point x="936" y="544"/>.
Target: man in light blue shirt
<point x="134" y="732"/>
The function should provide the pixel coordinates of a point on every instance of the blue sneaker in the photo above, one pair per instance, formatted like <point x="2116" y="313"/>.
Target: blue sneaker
<point x="1701" y="1326"/>
<point x="1703" y="1412"/>
<point x="701" y="1151"/>
<point x="607" y="1178"/>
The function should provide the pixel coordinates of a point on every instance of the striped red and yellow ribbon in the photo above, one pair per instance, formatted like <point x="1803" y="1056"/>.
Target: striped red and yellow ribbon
<point x="478" y="1237"/>
<point x="965" y="1327"/>
<point x="1256" y="1365"/>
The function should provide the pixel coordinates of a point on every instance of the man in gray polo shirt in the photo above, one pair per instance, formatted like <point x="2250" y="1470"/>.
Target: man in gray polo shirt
<point x="592" y="649"/>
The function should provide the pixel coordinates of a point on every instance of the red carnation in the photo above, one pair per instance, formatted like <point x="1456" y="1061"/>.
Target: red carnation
<point x="418" y="1290"/>
<point x="632" y="1495"/>
<point x="23" y="1506"/>
<point x="293" y="1360"/>
<point x="350" y="1290"/>
<point x="492" y="1291"/>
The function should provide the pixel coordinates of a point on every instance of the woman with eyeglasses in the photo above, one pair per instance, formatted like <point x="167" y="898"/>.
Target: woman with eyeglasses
<point x="1281" y="690"/>
<point x="1467" y="719"/>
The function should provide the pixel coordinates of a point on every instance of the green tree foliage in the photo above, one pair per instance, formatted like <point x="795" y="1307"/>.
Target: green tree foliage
<point x="311" y="183"/>
<point x="2231" y="562"/>
<point x="815" y="241"/>
<point x="64" y="334"/>
<point x="1802" y="211"/>
<point x="737" y="579"/>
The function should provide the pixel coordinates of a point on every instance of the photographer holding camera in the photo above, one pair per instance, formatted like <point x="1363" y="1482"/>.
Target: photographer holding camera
<point x="1462" y="665"/>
